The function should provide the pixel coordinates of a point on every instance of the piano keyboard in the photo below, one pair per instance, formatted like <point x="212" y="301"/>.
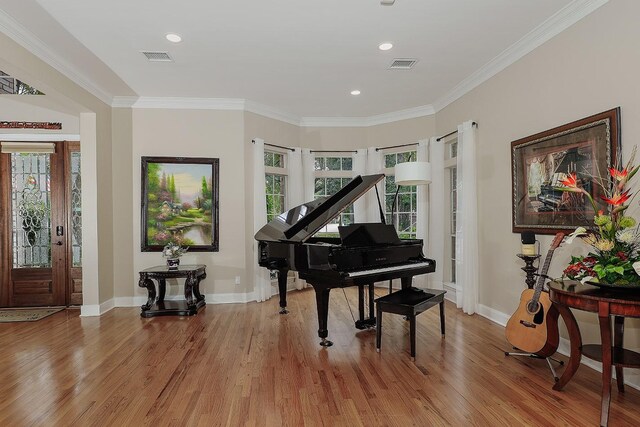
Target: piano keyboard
<point x="388" y="269"/>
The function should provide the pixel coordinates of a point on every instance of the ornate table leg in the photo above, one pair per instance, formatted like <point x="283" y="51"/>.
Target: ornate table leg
<point x="162" y="289"/>
<point x="196" y="288"/>
<point x="618" y="334"/>
<point x="188" y="290"/>
<point x="145" y="282"/>
<point x="575" y="340"/>
<point x="605" y="336"/>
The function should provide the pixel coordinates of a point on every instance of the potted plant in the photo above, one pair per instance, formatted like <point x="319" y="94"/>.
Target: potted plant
<point x="614" y="258"/>
<point x="172" y="253"/>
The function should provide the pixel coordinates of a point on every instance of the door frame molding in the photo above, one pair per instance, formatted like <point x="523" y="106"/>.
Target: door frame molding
<point x="63" y="149"/>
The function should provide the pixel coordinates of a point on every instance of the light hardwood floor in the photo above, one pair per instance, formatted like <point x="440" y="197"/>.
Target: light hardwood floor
<point x="244" y="364"/>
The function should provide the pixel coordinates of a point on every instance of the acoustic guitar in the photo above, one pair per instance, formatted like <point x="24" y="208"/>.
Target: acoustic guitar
<point x="534" y="326"/>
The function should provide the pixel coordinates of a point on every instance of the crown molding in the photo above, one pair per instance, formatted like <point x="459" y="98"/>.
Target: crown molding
<point x="181" y="103"/>
<point x="272" y="113"/>
<point x="14" y="30"/>
<point x="123" y="101"/>
<point x="554" y="25"/>
<point x="393" y="116"/>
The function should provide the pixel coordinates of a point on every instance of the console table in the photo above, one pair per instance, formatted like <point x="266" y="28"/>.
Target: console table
<point x="157" y="306"/>
<point x="607" y="303"/>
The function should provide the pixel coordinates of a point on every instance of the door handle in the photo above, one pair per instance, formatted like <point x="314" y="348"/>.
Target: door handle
<point x="59" y="230"/>
<point x="59" y="243"/>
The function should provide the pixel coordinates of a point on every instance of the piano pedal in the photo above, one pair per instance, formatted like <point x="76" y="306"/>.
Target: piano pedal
<point x="366" y="323"/>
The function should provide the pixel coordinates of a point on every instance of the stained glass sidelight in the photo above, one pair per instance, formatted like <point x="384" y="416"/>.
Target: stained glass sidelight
<point x="31" y="210"/>
<point x="76" y="210"/>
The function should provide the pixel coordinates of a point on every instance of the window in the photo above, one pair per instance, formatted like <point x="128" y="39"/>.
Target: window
<point x="12" y="86"/>
<point x="451" y="152"/>
<point x="331" y="174"/>
<point x="405" y="215"/>
<point x="276" y="183"/>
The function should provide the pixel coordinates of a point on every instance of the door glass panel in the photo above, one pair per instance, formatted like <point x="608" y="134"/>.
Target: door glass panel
<point x="76" y="210"/>
<point x="31" y="210"/>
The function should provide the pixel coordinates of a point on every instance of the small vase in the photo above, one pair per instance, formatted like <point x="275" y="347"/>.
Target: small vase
<point x="173" y="263"/>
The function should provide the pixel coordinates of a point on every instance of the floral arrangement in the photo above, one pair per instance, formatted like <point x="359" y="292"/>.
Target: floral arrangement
<point x="173" y="251"/>
<point x="613" y="236"/>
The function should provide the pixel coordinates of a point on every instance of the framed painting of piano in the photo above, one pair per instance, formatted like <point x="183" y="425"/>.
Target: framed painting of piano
<point x="179" y="203"/>
<point x="586" y="148"/>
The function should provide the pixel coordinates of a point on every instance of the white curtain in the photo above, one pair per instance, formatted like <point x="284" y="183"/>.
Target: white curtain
<point x="308" y="168"/>
<point x="295" y="179"/>
<point x="360" y="168"/>
<point x="374" y="165"/>
<point x="308" y="191"/>
<point x="467" y="220"/>
<point x="435" y="243"/>
<point x="422" y="209"/>
<point x="261" y="280"/>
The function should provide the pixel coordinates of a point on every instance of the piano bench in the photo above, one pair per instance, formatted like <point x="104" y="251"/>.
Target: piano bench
<point x="409" y="302"/>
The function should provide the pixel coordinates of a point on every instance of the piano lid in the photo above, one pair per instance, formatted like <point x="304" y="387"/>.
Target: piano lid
<point x="302" y="222"/>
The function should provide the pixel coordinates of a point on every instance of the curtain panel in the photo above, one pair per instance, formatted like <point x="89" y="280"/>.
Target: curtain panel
<point x="261" y="278"/>
<point x="467" y="222"/>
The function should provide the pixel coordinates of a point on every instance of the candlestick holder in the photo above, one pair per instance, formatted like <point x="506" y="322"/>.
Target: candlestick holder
<point x="529" y="269"/>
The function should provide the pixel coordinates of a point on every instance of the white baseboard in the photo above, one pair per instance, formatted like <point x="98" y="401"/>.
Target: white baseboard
<point x="90" y="310"/>
<point x="452" y="292"/>
<point x="564" y="348"/>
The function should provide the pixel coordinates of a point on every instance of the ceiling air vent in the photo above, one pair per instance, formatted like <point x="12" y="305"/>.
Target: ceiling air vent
<point x="403" y="64"/>
<point x="158" y="56"/>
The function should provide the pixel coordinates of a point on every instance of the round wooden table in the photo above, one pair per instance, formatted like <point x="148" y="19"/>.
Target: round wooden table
<point x="607" y="303"/>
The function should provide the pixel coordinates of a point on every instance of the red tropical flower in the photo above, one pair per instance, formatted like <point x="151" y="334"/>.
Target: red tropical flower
<point x="570" y="181"/>
<point x="618" y="175"/>
<point x="617" y="199"/>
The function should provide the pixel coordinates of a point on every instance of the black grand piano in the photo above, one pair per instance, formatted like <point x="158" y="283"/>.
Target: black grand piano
<point x="363" y="254"/>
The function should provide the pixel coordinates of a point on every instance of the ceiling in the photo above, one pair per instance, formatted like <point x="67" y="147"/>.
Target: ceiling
<point x="298" y="57"/>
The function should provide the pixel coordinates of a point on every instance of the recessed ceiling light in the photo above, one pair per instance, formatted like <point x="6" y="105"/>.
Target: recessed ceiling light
<point x="355" y="92"/>
<point x="385" y="46"/>
<point x="173" y="38"/>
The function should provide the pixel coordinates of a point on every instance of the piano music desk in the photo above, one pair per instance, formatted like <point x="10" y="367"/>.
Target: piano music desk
<point x="409" y="302"/>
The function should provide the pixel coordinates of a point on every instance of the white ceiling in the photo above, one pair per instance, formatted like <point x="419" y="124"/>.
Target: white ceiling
<point x="296" y="56"/>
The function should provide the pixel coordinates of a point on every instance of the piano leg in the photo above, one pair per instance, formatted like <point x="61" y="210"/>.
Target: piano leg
<point x="322" y="302"/>
<point x="282" y="289"/>
<point x="369" y="322"/>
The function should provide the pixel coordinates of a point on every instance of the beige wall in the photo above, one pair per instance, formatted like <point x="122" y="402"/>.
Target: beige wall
<point x="589" y="68"/>
<point x="122" y="210"/>
<point x="198" y="133"/>
<point x="36" y="109"/>
<point x="98" y="252"/>
<point x="384" y="135"/>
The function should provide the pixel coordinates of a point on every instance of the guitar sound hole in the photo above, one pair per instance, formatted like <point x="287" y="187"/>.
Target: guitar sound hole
<point x="533" y="307"/>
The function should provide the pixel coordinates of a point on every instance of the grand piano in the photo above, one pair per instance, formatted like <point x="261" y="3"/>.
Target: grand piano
<point x="363" y="254"/>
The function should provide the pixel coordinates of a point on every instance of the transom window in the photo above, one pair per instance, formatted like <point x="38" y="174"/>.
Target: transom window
<point x="12" y="86"/>
<point x="331" y="174"/>
<point x="333" y="164"/>
<point x="275" y="183"/>
<point x="405" y="216"/>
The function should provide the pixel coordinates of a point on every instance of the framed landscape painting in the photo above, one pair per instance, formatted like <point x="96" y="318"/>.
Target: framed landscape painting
<point x="586" y="147"/>
<point x="180" y="203"/>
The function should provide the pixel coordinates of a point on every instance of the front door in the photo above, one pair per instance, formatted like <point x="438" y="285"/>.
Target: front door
<point x="36" y="215"/>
